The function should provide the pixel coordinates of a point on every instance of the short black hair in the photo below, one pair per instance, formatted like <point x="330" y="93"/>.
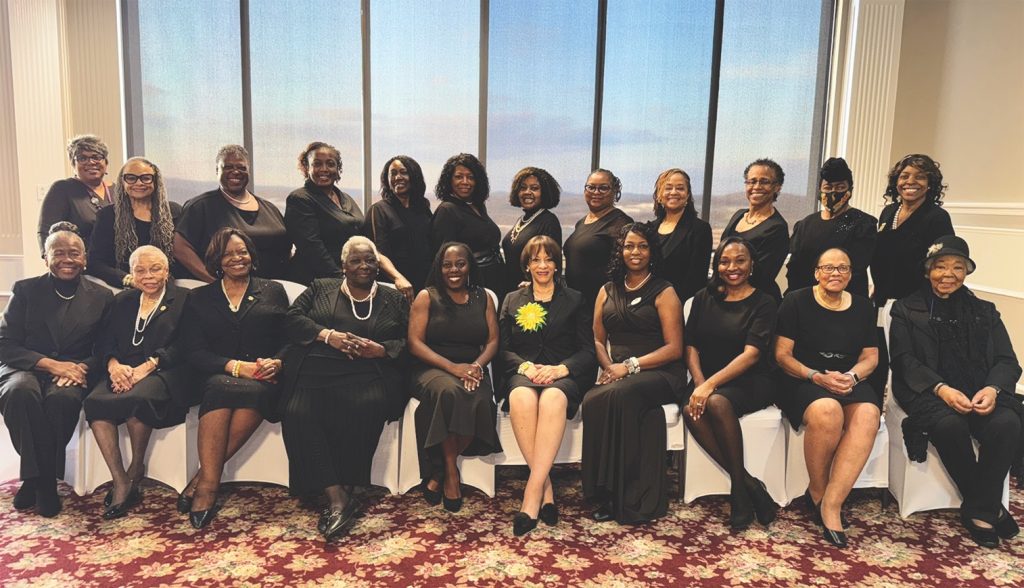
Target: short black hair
<point x="219" y="243"/>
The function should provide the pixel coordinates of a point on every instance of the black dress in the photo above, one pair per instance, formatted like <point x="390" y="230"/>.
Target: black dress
<point x="720" y="330"/>
<point x="454" y="220"/>
<point x="623" y="421"/>
<point x="566" y="338"/>
<point x="770" y="240"/>
<point x="319" y="228"/>
<point x="69" y="200"/>
<point x="824" y="340"/>
<point x="686" y="255"/>
<point x="456" y="332"/>
<point x="213" y="335"/>
<point x="403" y="234"/>
<point x="102" y="252"/>
<point x="588" y="250"/>
<point x="897" y="265"/>
<point x="163" y="397"/>
<point x="335" y="407"/>
<point x="210" y="211"/>
<point x="542" y="222"/>
<point x="40" y="416"/>
<point x="854" y="230"/>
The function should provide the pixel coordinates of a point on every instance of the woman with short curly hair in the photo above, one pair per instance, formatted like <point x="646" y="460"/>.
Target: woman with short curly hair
<point x="77" y="199"/>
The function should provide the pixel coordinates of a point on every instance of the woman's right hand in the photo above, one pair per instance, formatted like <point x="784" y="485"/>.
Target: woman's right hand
<point x="468" y="373"/>
<point x="121" y="376"/>
<point x="955" y="399"/>
<point x="834" y="382"/>
<point x="69" y="371"/>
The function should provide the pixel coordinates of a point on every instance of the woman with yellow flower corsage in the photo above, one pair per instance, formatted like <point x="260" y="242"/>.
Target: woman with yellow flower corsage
<point x="233" y="335"/>
<point x="547" y="356"/>
<point x="148" y="385"/>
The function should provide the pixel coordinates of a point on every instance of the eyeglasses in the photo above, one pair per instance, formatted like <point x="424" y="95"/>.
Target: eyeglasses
<point x="598" y="189"/>
<point x="144" y="178"/>
<point x="83" y="158"/>
<point x="828" y="269"/>
<point x="759" y="182"/>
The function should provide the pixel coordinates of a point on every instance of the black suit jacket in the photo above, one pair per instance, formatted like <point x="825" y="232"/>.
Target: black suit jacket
<point x="160" y="336"/>
<point x="212" y="335"/>
<point x="319" y="228"/>
<point x="686" y="256"/>
<point x="29" y="330"/>
<point x="567" y="337"/>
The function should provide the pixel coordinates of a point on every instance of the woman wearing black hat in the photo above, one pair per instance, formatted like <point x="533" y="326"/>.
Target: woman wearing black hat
<point x="953" y="372"/>
<point x="837" y="224"/>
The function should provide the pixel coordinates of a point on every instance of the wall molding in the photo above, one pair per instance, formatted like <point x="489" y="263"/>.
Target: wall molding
<point x="1018" y="294"/>
<point x="986" y="208"/>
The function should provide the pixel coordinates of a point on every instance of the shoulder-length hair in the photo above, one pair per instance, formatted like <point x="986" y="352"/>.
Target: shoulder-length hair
<point x="617" y="267"/>
<point x="482" y="188"/>
<point x="417" y="185"/>
<point x="550" y="191"/>
<point x="716" y="286"/>
<point x="219" y="244"/>
<point x="936" y="189"/>
<point x="659" y="210"/>
<point x="161" y="232"/>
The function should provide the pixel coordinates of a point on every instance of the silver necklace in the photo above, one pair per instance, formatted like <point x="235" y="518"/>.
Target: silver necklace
<point x="520" y="225"/>
<point x="352" y="299"/>
<point x="625" y="283"/>
<point x="234" y="307"/>
<point x="140" y="332"/>
<point x="63" y="297"/>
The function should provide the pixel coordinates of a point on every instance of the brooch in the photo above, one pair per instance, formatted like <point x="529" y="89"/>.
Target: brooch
<point x="635" y="301"/>
<point x="531" y="317"/>
<point x="935" y="248"/>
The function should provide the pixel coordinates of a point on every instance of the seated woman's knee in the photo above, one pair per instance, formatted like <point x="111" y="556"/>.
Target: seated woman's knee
<point x="824" y="413"/>
<point x="718" y="404"/>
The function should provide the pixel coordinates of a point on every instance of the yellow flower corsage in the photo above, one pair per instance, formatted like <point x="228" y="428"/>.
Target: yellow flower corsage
<point x="531" y="317"/>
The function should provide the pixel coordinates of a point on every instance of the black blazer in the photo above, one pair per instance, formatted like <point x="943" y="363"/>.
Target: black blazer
<point x="212" y="335"/>
<point x="319" y="228"/>
<point x="686" y="256"/>
<point x="29" y="330"/>
<point x="161" y="334"/>
<point x="914" y="350"/>
<point x="568" y="336"/>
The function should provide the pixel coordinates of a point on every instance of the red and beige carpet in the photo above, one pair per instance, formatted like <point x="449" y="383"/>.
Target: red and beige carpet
<point x="264" y="538"/>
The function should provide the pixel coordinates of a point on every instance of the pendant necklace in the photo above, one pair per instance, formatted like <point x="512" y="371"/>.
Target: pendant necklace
<point x="234" y="307"/>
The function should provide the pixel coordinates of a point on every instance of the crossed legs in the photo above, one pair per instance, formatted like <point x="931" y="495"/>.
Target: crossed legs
<point x="538" y="422"/>
<point x="222" y="433"/>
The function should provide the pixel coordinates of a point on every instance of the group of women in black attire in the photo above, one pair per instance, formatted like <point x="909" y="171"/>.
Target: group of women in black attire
<point x="344" y="357"/>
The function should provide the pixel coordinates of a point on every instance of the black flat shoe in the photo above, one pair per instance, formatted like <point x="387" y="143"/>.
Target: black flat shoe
<point x="522" y="524"/>
<point x="433" y="497"/>
<point x="836" y="538"/>
<point x="814" y="508"/>
<point x="603" y="514"/>
<point x="764" y="506"/>
<point x="982" y="536"/>
<point x="25" y="498"/>
<point x="549" y="514"/>
<point x="339" y="521"/>
<point x="741" y="514"/>
<point x="47" y="502"/>
<point x="201" y="518"/>
<point x="1006" y="527"/>
<point x="116" y="511"/>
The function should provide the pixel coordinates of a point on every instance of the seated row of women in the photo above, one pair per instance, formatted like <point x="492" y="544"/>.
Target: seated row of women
<point x="548" y="343"/>
<point x="319" y="217"/>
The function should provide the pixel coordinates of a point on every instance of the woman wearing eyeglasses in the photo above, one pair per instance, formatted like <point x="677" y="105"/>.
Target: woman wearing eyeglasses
<point x="77" y="199"/>
<point x="589" y="247"/>
<point x="762" y="225"/>
<point x="827" y="347"/>
<point x="141" y="215"/>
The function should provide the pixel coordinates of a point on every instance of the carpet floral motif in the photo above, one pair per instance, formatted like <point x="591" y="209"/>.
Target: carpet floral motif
<point x="262" y="537"/>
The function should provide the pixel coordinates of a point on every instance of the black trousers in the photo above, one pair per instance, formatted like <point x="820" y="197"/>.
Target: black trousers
<point x="979" y="479"/>
<point x="41" y="419"/>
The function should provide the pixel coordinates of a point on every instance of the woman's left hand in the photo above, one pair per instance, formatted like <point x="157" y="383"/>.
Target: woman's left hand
<point x="368" y="349"/>
<point x="405" y="287"/>
<point x="698" y="399"/>
<point x="984" y="401"/>
<point x="267" y="369"/>
<point x="141" y="371"/>
<point x="616" y="371"/>
<point x="547" y="374"/>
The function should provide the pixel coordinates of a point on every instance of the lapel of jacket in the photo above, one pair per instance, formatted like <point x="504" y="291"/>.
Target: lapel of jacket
<point x="251" y="297"/>
<point x="49" y="303"/>
<point x="84" y="299"/>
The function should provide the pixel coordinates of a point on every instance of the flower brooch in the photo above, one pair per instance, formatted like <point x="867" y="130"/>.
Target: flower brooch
<point x="531" y="317"/>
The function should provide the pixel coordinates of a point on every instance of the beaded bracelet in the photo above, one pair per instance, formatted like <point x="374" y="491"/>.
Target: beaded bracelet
<point x="235" y="369"/>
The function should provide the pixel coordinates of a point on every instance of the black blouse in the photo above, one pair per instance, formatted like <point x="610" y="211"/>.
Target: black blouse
<point x="588" y="250"/>
<point x="403" y="234"/>
<point x="770" y="240"/>
<point x="102" y="254"/>
<point x="543" y="222"/>
<point x="319" y="228"/>
<point x="854" y="231"/>
<point x="213" y="334"/>
<point x="897" y="265"/>
<point x="826" y="339"/>
<point x="69" y="200"/>
<point x="686" y="255"/>
<point x="720" y="330"/>
<point x="210" y="211"/>
<point x="454" y="220"/>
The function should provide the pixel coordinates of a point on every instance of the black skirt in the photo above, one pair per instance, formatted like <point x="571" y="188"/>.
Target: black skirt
<point x="160" y="400"/>
<point x="747" y="394"/>
<point x="567" y="385"/>
<point x="796" y="395"/>
<point x="224" y="391"/>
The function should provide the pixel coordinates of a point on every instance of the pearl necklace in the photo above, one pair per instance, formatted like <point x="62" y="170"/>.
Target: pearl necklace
<point x="896" y="219"/>
<point x="245" y="200"/>
<point x="234" y="307"/>
<point x="625" y="283"/>
<point x="352" y="299"/>
<point x="520" y="225"/>
<point x="145" y="321"/>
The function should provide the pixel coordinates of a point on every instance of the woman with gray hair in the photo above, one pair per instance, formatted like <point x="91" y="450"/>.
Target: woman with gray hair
<point x="140" y="215"/>
<point x="232" y="205"/>
<point x="343" y="380"/>
<point x="147" y="384"/>
<point x="77" y="199"/>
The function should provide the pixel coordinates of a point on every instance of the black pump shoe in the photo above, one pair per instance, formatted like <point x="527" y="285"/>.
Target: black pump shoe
<point x="201" y="518"/>
<point x="815" y="506"/>
<point x="764" y="506"/>
<point x="116" y="511"/>
<point x="603" y="513"/>
<point x="549" y="514"/>
<point x="836" y="538"/>
<point x="25" y="498"/>
<point x="985" y="537"/>
<point x="522" y="524"/>
<point x="1006" y="527"/>
<point x="741" y="514"/>
<point x="452" y="504"/>
<point x="433" y="497"/>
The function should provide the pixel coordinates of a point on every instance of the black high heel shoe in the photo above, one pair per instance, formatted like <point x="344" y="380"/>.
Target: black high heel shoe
<point x="836" y="538"/>
<point x="814" y="507"/>
<point x="452" y="504"/>
<point x="1006" y="527"/>
<point x="741" y="511"/>
<point x="201" y="518"/>
<point x="549" y="514"/>
<point x="184" y="504"/>
<point x="764" y="506"/>
<point x="522" y="524"/>
<point x="433" y="497"/>
<point x="116" y="511"/>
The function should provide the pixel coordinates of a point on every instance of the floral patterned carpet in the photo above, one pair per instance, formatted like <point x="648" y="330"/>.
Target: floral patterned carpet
<point x="264" y="538"/>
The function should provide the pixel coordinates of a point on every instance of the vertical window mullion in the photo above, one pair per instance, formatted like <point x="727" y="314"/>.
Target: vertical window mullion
<point x="716" y="72"/>
<point x="602" y="33"/>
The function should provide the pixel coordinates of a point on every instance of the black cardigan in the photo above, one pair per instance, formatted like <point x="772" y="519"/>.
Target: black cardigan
<point x="29" y="330"/>
<point x="686" y="256"/>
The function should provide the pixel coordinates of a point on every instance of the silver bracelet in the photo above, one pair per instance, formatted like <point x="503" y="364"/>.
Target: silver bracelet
<point x="632" y="365"/>
<point x="811" y="373"/>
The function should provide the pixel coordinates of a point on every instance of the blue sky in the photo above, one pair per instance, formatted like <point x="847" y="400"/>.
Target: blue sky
<point x="306" y="85"/>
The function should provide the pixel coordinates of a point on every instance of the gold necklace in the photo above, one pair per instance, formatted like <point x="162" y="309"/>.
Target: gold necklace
<point x="819" y="294"/>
